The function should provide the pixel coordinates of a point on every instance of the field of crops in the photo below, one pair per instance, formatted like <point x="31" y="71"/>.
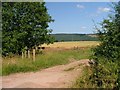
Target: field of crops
<point x="81" y="44"/>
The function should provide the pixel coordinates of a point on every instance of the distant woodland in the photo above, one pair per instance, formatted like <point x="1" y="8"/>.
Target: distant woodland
<point x="75" y="37"/>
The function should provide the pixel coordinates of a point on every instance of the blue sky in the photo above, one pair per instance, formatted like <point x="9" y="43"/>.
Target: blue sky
<point x="76" y="17"/>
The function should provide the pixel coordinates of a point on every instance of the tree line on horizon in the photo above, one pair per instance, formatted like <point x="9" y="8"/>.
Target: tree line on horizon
<point x="75" y="37"/>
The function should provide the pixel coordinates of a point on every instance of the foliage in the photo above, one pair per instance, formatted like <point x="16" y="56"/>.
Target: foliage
<point x="107" y="54"/>
<point x="24" y="25"/>
<point x="47" y="59"/>
<point x="105" y="73"/>
<point x="101" y="77"/>
<point x="83" y="81"/>
<point x="104" y="70"/>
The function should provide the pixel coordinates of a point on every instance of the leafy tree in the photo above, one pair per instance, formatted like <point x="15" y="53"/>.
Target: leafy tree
<point x="109" y="36"/>
<point x="25" y="24"/>
<point x="108" y="52"/>
<point x="0" y="27"/>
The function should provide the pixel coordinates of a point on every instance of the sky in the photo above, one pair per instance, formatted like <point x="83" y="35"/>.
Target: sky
<point x="77" y="17"/>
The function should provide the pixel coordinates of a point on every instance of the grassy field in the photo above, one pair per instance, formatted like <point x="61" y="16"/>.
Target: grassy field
<point x="45" y="60"/>
<point x="81" y="44"/>
<point x="49" y="58"/>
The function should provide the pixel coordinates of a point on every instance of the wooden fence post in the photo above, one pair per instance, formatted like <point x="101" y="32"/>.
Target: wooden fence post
<point x="22" y="55"/>
<point x="36" y="48"/>
<point x="25" y="53"/>
<point x="33" y="54"/>
<point x="29" y="54"/>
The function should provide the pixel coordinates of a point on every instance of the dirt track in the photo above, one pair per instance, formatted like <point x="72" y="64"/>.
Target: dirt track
<point x="61" y="76"/>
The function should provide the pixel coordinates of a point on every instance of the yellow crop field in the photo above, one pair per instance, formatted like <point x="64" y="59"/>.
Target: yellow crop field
<point x="81" y="44"/>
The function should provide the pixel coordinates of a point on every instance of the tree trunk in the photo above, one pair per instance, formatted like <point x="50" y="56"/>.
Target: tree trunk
<point x="33" y="54"/>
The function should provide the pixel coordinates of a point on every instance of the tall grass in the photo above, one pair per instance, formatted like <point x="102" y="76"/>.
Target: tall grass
<point x="83" y="80"/>
<point x="47" y="59"/>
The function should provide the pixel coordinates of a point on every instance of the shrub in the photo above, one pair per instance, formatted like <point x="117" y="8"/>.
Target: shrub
<point x="106" y="55"/>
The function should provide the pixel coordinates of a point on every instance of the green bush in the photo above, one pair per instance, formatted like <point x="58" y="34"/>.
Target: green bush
<point x="105" y="65"/>
<point x="107" y="55"/>
<point x="105" y="73"/>
<point x="100" y="75"/>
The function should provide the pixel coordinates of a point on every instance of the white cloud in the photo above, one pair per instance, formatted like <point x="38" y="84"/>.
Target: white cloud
<point x="103" y="9"/>
<point x="83" y="27"/>
<point x="99" y="11"/>
<point x="80" y="6"/>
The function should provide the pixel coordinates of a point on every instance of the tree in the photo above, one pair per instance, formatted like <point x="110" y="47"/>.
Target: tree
<point x="109" y="48"/>
<point x="109" y="36"/>
<point x="25" y="24"/>
<point x="0" y="28"/>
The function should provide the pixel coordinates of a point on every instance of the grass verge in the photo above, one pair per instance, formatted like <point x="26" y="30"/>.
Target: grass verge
<point x="83" y="81"/>
<point x="47" y="59"/>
